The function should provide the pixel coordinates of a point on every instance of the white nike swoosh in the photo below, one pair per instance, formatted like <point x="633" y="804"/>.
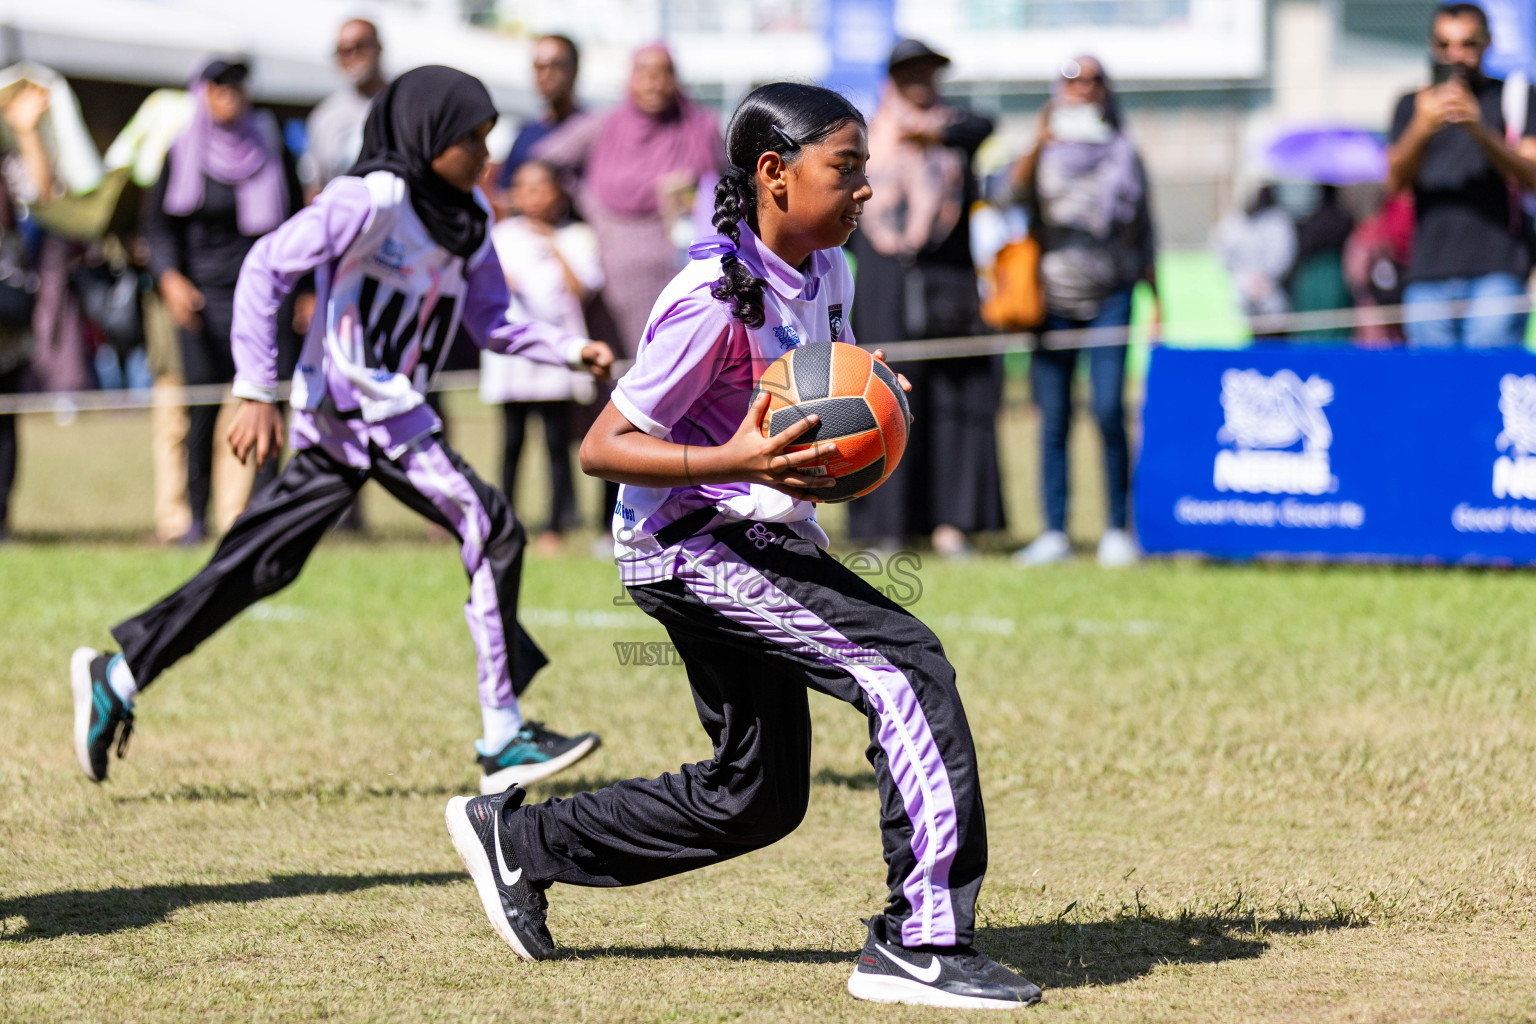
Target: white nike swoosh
<point x="511" y="877"/>
<point x="927" y="975"/>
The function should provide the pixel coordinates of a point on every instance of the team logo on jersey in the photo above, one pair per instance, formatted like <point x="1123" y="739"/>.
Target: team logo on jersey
<point x="761" y="536"/>
<point x="788" y="339"/>
<point x="391" y="254"/>
<point x="835" y="319"/>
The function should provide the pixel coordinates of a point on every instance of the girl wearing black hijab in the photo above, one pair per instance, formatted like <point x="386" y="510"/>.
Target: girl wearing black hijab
<point x="401" y="259"/>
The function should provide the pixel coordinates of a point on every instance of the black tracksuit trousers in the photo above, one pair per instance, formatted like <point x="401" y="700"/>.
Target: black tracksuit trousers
<point x="758" y="616"/>
<point x="269" y="543"/>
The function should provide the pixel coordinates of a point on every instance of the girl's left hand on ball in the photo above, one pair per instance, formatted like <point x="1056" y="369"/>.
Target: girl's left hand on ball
<point x="901" y="379"/>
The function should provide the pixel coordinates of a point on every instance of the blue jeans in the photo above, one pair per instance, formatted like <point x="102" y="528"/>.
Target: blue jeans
<point x="1050" y="378"/>
<point x="1477" y="330"/>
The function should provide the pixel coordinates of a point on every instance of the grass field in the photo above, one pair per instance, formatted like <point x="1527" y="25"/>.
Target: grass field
<point x="1214" y="793"/>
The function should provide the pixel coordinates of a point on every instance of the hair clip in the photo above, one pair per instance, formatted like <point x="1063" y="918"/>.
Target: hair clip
<point x="791" y="143"/>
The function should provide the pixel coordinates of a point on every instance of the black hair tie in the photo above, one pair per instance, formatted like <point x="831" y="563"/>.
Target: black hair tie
<point x="735" y="174"/>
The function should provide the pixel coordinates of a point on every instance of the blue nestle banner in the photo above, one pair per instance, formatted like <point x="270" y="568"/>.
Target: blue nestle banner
<point x="859" y="36"/>
<point x="1512" y="24"/>
<point x="1312" y="451"/>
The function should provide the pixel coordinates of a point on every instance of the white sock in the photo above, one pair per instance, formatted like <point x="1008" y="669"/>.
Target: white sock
<point x="121" y="680"/>
<point x="501" y="724"/>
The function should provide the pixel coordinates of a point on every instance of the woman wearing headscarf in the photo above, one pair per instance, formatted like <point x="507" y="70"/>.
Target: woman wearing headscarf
<point x="227" y="181"/>
<point x="402" y="260"/>
<point x="636" y="164"/>
<point x="18" y="269"/>
<point x="1087" y="193"/>
<point x="916" y="279"/>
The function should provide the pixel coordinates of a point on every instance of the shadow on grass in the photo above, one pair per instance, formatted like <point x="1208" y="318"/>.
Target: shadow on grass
<point x="101" y="912"/>
<point x="115" y="536"/>
<point x="1054" y="954"/>
<point x="1074" y="954"/>
<point x="347" y="790"/>
<point x="193" y="792"/>
<point x="770" y="956"/>
<point x="864" y="780"/>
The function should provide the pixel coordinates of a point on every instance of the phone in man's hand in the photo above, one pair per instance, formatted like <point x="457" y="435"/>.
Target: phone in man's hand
<point x="1442" y="73"/>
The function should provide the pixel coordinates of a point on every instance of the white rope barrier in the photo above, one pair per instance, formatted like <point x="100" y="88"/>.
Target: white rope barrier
<point x="68" y="403"/>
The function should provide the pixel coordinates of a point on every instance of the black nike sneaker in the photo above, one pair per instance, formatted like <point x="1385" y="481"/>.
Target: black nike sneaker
<point x="100" y="717"/>
<point x="534" y="753"/>
<point x="962" y="979"/>
<point x="515" y="907"/>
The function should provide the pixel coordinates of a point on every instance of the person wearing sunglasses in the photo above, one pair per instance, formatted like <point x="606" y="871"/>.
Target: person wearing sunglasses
<point x="1086" y="190"/>
<point x="556" y="60"/>
<point x="1466" y="145"/>
<point x="334" y="130"/>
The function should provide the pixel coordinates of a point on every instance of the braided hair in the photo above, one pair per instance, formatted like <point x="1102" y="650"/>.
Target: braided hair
<point x="784" y="118"/>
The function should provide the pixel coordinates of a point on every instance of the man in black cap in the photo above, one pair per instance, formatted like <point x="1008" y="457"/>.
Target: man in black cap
<point x="916" y="280"/>
<point x="913" y="66"/>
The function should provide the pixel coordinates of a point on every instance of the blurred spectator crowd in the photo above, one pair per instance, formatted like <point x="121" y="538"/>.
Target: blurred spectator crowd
<point x="118" y="270"/>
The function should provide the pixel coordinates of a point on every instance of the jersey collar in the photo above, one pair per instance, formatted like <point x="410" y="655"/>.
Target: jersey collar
<point x="785" y="280"/>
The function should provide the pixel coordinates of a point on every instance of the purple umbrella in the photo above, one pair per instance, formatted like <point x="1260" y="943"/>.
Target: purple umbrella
<point x="1328" y="156"/>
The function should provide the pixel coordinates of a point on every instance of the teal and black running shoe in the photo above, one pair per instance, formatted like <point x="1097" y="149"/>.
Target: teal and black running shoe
<point x="534" y="753"/>
<point x="101" y="718"/>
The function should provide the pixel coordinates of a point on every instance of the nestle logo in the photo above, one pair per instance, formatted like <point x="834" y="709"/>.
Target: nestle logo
<point x="1514" y="472"/>
<point x="1265" y="419"/>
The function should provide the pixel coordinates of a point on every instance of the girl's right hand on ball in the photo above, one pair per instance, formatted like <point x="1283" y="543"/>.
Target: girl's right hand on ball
<point x="764" y="460"/>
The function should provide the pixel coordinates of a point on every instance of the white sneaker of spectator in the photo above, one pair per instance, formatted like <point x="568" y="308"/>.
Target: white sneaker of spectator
<point x="949" y="542"/>
<point x="1050" y="547"/>
<point x="1117" y="550"/>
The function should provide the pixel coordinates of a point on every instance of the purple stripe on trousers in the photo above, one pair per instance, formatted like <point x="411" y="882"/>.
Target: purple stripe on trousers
<point x="724" y="582"/>
<point x="432" y="473"/>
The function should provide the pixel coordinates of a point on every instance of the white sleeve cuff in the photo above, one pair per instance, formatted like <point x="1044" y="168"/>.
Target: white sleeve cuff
<point x="573" y="353"/>
<point x="627" y="408"/>
<point x="255" y="392"/>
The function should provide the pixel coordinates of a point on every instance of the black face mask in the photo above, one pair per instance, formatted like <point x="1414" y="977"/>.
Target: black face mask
<point x="415" y="118"/>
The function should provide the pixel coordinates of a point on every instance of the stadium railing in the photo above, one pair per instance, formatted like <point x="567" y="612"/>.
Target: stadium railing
<point x="1344" y="321"/>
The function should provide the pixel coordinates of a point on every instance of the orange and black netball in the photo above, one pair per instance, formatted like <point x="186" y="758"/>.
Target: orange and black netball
<point x="861" y="410"/>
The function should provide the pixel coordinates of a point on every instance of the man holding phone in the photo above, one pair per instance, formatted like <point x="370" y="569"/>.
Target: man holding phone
<point x="1467" y="169"/>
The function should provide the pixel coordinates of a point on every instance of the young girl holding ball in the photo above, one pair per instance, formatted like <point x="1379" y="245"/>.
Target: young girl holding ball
<point x="716" y="538"/>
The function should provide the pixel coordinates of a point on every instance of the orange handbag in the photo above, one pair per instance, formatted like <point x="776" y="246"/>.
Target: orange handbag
<point x="1017" y="302"/>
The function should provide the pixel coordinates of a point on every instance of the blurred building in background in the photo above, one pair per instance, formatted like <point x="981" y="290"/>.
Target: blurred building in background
<point x="1205" y="82"/>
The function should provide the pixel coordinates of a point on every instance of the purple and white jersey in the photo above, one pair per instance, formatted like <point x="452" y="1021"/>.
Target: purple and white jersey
<point x="388" y="300"/>
<point x="692" y="381"/>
